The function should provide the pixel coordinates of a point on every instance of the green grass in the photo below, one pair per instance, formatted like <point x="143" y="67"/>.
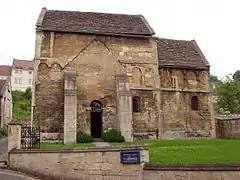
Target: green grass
<point x="191" y="151"/>
<point x="45" y="145"/>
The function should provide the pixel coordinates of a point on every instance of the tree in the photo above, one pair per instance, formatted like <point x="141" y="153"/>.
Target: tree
<point x="228" y="96"/>
<point x="28" y="93"/>
<point x="214" y="79"/>
<point x="236" y="76"/>
<point x="22" y="103"/>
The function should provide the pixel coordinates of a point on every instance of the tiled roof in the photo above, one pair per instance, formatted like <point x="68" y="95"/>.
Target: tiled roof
<point x="2" y="84"/>
<point x="22" y="64"/>
<point x="93" y="22"/>
<point x="181" y="54"/>
<point x="5" y="70"/>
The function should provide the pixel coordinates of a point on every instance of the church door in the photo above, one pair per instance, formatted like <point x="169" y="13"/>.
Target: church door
<point x="96" y="119"/>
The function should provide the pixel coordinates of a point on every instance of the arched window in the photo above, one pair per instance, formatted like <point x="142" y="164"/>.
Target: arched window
<point x="136" y="104"/>
<point x="136" y="76"/>
<point x="194" y="103"/>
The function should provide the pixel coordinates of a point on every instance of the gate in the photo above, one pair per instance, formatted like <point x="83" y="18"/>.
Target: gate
<point x="30" y="137"/>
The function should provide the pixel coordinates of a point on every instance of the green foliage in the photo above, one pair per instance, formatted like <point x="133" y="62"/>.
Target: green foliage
<point x="21" y="103"/>
<point x="190" y="151"/>
<point x="236" y="76"/>
<point x="84" y="137"/>
<point x="3" y="132"/>
<point x="47" y="145"/>
<point x="28" y="94"/>
<point x="228" y="96"/>
<point x="113" y="136"/>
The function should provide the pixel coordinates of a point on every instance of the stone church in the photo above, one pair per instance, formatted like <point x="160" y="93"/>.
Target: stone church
<point x="98" y="71"/>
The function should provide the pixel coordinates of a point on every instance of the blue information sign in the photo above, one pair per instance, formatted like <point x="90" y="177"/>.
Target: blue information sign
<point x="130" y="157"/>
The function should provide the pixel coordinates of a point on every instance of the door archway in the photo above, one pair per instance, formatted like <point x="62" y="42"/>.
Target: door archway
<point x="96" y="119"/>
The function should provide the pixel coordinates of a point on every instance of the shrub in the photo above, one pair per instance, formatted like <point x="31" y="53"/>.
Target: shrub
<point x="113" y="136"/>
<point x="84" y="138"/>
<point x="3" y="132"/>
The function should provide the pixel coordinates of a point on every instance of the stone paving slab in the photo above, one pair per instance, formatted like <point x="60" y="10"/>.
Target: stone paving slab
<point x="101" y="144"/>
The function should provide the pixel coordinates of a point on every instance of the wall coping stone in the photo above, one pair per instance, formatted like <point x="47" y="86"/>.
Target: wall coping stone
<point x="14" y="123"/>
<point x="228" y="117"/>
<point x="81" y="150"/>
<point x="192" y="167"/>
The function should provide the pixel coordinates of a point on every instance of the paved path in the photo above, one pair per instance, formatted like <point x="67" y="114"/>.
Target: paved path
<point x="6" y="174"/>
<point x="12" y="175"/>
<point x="101" y="144"/>
<point x="3" y="145"/>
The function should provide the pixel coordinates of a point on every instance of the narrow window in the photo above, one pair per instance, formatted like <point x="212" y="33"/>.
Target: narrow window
<point x="136" y="104"/>
<point x="136" y="76"/>
<point x="174" y="82"/>
<point x="194" y="103"/>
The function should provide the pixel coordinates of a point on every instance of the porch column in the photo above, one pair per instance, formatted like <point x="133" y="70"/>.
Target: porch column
<point x="124" y="107"/>
<point x="70" y="107"/>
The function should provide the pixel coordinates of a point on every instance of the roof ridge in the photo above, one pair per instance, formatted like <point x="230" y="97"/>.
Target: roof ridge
<point x="158" y="38"/>
<point x="52" y="10"/>
<point x="22" y="60"/>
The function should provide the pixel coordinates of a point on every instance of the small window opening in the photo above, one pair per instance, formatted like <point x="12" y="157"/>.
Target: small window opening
<point x="136" y="104"/>
<point x="194" y="103"/>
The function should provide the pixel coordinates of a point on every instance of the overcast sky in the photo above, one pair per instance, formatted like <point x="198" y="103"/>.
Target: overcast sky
<point x="214" y="24"/>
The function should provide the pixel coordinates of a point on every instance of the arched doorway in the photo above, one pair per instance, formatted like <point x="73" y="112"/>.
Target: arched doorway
<point x="96" y="119"/>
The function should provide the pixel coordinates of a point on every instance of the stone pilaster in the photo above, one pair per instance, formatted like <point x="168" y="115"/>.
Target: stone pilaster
<point x="70" y="107"/>
<point x="14" y="135"/>
<point x="124" y="107"/>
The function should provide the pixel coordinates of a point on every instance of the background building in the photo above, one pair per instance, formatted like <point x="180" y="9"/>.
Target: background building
<point x="5" y="72"/>
<point x="22" y="74"/>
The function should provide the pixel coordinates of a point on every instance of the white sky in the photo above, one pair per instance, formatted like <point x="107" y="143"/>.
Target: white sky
<point x="214" y="24"/>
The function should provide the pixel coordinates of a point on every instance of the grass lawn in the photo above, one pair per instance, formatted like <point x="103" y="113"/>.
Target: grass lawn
<point x="46" y="145"/>
<point x="191" y="151"/>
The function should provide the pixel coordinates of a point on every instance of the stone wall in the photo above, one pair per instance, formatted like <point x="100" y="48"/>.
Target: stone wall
<point x="5" y="104"/>
<point x="91" y="163"/>
<point x="145" y="122"/>
<point x="97" y="60"/>
<point x="165" y="93"/>
<point x="191" y="172"/>
<point x="178" y="118"/>
<point x="228" y="126"/>
<point x="104" y="163"/>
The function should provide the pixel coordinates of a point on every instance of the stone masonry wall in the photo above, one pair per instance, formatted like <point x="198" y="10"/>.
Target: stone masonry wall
<point x="145" y="122"/>
<point x="179" y="120"/>
<point x="96" y="59"/>
<point x="228" y="126"/>
<point x="191" y="172"/>
<point x="91" y="163"/>
<point x="104" y="164"/>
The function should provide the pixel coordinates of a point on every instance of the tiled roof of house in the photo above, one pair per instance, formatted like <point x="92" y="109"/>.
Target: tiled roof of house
<point x="22" y="64"/>
<point x="93" y="22"/>
<point x="181" y="54"/>
<point x="5" y="70"/>
<point x="2" y="84"/>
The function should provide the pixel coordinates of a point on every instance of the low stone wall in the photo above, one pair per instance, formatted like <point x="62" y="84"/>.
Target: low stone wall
<point x="191" y="172"/>
<point x="228" y="126"/>
<point x="89" y="163"/>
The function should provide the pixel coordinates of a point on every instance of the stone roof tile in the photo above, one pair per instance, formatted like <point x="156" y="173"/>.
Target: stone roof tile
<point x="93" y="22"/>
<point x="180" y="54"/>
